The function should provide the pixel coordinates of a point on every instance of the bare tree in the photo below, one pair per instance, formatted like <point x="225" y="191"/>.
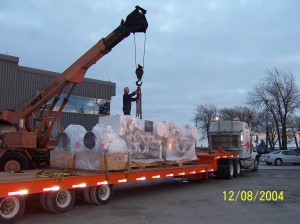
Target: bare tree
<point x="204" y="116"/>
<point x="243" y="113"/>
<point x="294" y="126"/>
<point x="279" y="94"/>
<point x="264" y="123"/>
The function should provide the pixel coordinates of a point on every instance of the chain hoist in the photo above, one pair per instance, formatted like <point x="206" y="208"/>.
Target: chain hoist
<point x="139" y="74"/>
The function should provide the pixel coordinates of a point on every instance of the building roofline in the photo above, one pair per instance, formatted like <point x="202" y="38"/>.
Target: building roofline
<point x="50" y="73"/>
<point x="6" y="57"/>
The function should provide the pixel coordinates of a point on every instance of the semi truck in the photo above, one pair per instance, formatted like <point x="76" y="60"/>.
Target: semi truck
<point x="234" y="136"/>
<point x="229" y="153"/>
<point x="25" y="134"/>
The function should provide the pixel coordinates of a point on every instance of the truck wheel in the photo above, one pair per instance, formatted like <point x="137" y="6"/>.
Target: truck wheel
<point x="60" y="201"/>
<point x="11" y="209"/>
<point x="13" y="161"/>
<point x="230" y="170"/>
<point x="278" y="162"/>
<point x="256" y="163"/>
<point x="101" y="195"/>
<point x="237" y="168"/>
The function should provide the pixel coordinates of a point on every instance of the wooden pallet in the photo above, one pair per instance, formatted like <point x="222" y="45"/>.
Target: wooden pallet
<point x="137" y="165"/>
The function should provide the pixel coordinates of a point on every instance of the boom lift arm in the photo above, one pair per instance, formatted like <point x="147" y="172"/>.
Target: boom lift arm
<point x="135" y="22"/>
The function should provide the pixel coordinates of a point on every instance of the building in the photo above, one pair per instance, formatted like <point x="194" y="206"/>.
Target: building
<point x="88" y="101"/>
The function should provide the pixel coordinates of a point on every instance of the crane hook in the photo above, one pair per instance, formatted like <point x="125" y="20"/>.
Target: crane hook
<point x="139" y="72"/>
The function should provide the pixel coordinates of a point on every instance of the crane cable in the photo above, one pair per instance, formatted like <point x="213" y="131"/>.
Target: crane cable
<point x="139" y="72"/>
<point x="143" y="53"/>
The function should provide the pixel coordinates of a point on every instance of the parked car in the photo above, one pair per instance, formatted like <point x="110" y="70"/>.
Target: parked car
<point x="281" y="156"/>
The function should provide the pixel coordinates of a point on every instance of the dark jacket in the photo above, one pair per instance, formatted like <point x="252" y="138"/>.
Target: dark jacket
<point x="127" y="99"/>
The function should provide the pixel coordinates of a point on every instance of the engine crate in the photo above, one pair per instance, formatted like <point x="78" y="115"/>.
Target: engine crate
<point x="62" y="159"/>
<point x="102" y="162"/>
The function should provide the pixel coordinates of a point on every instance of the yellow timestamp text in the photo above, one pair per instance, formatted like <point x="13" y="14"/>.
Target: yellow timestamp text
<point x="252" y="196"/>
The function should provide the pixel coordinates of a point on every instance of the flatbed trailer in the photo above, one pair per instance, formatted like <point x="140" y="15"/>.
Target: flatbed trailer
<point x="57" y="194"/>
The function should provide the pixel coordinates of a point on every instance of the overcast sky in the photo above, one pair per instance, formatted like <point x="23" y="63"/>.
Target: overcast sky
<point x="197" y="51"/>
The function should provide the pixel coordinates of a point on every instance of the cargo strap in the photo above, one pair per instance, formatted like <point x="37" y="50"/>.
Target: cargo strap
<point x="57" y="174"/>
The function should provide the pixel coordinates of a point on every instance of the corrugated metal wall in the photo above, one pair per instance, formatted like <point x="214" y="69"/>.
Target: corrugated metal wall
<point x="85" y="120"/>
<point x="18" y="84"/>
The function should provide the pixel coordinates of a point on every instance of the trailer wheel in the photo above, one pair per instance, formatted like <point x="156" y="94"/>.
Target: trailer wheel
<point x="11" y="209"/>
<point x="43" y="201"/>
<point x="101" y="195"/>
<point x="222" y="169"/>
<point x="237" y="168"/>
<point x="86" y="195"/>
<point x="60" y="201"/>
<point x="13" y="161"/>
<point x="230" y="169"/>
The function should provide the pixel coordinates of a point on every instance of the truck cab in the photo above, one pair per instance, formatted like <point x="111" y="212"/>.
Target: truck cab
<point x="234" y="136"/>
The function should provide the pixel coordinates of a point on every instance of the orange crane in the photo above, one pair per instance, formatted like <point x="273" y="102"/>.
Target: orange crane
<point x="25" y="134"/>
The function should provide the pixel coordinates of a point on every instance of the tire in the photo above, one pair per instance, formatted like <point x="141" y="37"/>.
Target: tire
<point x="86" y="195"/>
<point x="278" y="162"/>
<point x="60" y="201"/>
<point x="256" y="163"/>
<point x="221" y="173"/>
<point x="101" y="195"/>
<point x="237" y="168"/>
<point x="43" y="201"/>
<point x="13" y="161"/>
<point x="11" y="209"/>
<point x="222" y="169"/>
<point x="268" y="163"/>
<point x="230" y="169"/>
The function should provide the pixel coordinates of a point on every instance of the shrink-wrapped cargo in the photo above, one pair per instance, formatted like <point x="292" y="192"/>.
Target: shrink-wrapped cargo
<point x="103" y="138"/>
<point x="103" y="150"/>
<point x="142" y="137"/>
<point x="179" y="143"/>
<point x="155" y="141"/>
<point x="69" y="142"/>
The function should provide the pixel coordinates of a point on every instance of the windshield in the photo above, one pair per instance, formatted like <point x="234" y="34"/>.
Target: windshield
<point x="275" y="152"/>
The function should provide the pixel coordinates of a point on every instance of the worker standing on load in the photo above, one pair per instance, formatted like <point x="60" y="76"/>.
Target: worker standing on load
<point x="127" y="99"/>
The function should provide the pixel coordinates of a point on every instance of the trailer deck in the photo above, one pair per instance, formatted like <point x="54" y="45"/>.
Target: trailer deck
<point x="29" y="182"/>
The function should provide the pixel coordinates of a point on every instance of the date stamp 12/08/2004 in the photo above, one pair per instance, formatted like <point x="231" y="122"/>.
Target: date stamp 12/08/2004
<point x="252" y="196"/>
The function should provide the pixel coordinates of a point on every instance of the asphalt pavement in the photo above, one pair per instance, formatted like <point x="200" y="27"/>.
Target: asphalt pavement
<point x="271" y="195"/>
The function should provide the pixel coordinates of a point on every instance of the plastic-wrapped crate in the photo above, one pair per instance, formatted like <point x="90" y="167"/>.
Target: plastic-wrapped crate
<point x="142" y="137"/>
<point x="62" y="159"/>
<point x="102" y="161"/>
<point x="103" y="150"/>
<point x="179" y="143"/>
<point x="69" y="142"/>
<point x="154" y="141"/>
